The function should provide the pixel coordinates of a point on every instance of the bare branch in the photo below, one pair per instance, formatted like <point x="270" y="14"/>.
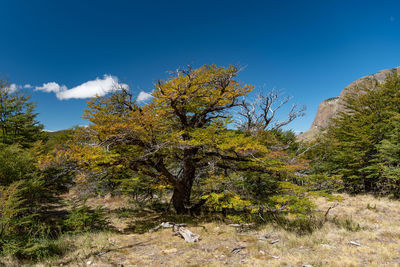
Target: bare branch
<point x="260" y="114"/>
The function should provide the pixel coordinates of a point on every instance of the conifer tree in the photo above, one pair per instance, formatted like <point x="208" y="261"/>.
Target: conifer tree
<point x="356" y="132"/>
<point x="389" y="158"/>
<point x="18" y="122"/>
<point x="29" y="185"/>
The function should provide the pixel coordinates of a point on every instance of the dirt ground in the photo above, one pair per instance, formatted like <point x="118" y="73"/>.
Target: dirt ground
<point x="361" y="231"/>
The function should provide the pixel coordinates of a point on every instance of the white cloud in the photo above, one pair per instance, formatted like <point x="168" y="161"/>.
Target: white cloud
<point x="99" y="87"/>
<point x="13" y="87"/>
<point x="143" y="96"/>
<point x="51" y="87"/>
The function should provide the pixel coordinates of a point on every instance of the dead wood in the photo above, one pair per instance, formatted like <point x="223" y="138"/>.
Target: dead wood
<point x="327" y="211"/>
<point x="187" y="235"/>
<point x="166" y="225"/>
<point x="178" y="229"/>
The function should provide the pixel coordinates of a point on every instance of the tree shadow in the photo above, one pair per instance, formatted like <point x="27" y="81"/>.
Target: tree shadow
<point x="140" y="221"/>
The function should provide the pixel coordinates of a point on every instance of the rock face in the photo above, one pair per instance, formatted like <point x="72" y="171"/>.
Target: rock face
<point x="329" y="107"/>
<point x="326" y="110"/>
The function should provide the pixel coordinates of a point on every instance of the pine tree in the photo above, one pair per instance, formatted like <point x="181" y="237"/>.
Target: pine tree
<point x="389" y="158"/>
<point x="29" y="186"/>
<point x="18" y="122"/>
<point x="356" y="132"/>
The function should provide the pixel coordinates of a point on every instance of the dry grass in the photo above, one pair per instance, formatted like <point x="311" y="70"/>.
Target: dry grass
<point x="371" y="222"/>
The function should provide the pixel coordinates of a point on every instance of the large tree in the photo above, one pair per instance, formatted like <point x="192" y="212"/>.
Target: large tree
<point x="181" y="136"/>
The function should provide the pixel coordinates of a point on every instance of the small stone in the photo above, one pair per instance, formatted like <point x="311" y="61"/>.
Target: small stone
<point x="354" y="243"/>
<point x="327" y="246"/>
<point x="89" y="262"/>
<point x="169" y="251"/>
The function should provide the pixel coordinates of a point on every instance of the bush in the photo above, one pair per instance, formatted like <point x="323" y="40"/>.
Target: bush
<point x="15" y="164"/>
<point x="33" y="249"/>
<point x="10" y="209"/>
<point x="21" y="234"/>
<point x="29" y="221"/>
<point x="82" y="218"/>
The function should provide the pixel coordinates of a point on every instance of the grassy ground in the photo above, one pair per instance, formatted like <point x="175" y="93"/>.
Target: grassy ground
<point x="361" y="231"/>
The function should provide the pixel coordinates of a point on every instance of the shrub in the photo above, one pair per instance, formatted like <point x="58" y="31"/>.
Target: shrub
<point x="11" y="218"/>
<point x="82" y="218"/>
<point x="22" y="235"/>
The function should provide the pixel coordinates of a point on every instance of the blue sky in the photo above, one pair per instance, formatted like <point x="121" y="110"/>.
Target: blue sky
<point x="311" y="49"/>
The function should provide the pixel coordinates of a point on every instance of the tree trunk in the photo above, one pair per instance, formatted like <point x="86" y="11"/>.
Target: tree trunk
<point x="183" y="188"/>
<point x="181" y="198"/>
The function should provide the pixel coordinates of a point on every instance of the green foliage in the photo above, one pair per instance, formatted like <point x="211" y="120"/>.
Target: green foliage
<point x="82" y="218"/>
<point x="58" y="138"/>
<point x="32" y="249"/>
<point x="361" y="146"/>
<point x="370" y="207"/>
<point x="300" y="225"/>
<point x="324" y="182"/>
<point x="40" y="184"/>
<point x="181" y="140"/>
<point x="388" y="159"/>
<point x="202" y="161"/>
<point x="29" y="185"/>
<point x="15" y="164"/>
<point x="292" y="199"/>
<point x="11" y="209"/>
<point x="346" y="223"/>
<point x="287" y="139"/>
<point x="22" y="233"/>
<point x="18" y="122"/>
<point x="38" y="249"/>
<point x="224" y="201"/>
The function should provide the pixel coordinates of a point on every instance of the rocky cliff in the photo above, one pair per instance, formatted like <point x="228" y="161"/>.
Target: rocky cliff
<point x="329" y="107"/>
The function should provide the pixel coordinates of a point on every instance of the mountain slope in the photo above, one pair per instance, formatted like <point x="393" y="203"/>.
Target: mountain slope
<point x="330" y="107"/>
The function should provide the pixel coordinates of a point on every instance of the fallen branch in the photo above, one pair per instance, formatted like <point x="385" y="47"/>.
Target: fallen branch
<point x="327" y="211"/>
<point x="237" y="250"/>
<point x="178" y="229"/>
<point x="187" y="235"/>
<point x="166" y="225"/>
<point x="274" y="241"/>
<point x="241" y="227"/>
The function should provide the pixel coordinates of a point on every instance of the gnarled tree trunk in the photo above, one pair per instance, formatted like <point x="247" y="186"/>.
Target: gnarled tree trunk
<point x="181" y="198"/>
<point x="183" y="187"/>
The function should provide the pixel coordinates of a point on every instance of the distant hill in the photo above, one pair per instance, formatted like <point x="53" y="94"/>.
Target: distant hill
<point x="58" y="137"/>
<point x="59" y="133"/>
<point x="331" y="106"/>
